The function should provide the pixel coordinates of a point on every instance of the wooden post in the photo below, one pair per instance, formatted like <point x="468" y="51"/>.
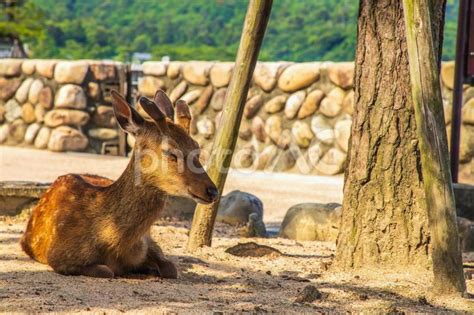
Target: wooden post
<point x="258" y="13"/>
<point x="429" y="116"/>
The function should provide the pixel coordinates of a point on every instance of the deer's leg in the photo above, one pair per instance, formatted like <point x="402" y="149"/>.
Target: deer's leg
<point x="157" y="264"/>
<point x="97" y="271"/>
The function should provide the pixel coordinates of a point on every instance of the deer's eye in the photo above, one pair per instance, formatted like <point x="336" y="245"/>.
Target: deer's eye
<point x="171" y="155"/>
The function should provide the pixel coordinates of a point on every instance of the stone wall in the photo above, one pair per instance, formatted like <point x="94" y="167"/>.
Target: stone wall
<point x="297" y="117"/>
<point x="57" y="105"/>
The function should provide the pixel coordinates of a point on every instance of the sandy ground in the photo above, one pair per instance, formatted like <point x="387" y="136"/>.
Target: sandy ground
<point x="213" y="281"/>
<point x="278" y="191"/>
<point x="210" y="281"/>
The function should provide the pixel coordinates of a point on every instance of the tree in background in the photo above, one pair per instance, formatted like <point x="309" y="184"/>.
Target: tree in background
<point x="20" y="21"/>
<point x="303" y="30"/>
<point x="385" y="209"/>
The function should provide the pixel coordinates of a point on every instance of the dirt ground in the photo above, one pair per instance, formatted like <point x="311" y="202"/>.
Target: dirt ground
<point x="213" y="281"/>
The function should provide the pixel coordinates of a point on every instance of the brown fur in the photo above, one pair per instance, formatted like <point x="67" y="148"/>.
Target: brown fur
<point x="90" y="225"/>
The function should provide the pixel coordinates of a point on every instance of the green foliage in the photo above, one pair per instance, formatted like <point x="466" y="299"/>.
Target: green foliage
<point x="19" y="19"/>
<point x="299" y="30"/>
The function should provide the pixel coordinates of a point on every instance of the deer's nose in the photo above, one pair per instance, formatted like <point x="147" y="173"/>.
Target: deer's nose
<point x="212" y="193"/>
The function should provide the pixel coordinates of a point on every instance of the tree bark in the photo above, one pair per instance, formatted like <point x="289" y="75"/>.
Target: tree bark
<point x="433" y="144"/>
<point x="384" y="218"/>
<point x="258" y="13"/>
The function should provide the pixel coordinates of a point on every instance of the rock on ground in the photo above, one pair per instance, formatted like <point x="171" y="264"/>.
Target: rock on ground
<point x="236" y="206"/>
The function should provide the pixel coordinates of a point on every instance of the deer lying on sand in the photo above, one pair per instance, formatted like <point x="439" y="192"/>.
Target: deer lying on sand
<point x="90" y="225"/>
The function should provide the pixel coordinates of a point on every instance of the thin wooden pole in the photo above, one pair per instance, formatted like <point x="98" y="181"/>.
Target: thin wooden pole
<point x="258" y="13"/>
<point x="456" y="120"/>
<point x="429" y="116"/>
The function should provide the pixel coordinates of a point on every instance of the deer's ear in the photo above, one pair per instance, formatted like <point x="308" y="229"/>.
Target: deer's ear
<point x="152" y="110"/>
<point x="164" y="103"/>
<point x="127" y="117"/>
<point x="183" y="115"/>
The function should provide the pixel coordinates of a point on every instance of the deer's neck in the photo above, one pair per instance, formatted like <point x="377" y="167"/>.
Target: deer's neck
<point x="133" y="204"/>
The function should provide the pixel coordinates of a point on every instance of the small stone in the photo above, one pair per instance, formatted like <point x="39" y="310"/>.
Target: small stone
<point x="178" y="91"/>
<point x="203" y="100"/>
<point x="102" y="70"/>
<point x="266" y="157"/>
<point x="258" y="129"/>
<point x="331" y="105"/>
<point x="70" y="72"/>
<point x="348" y="103"/>
<point x="332" y="162"/>
<point x="8" y="87"/>
<point x="156" y="68"/>
<point x="205" y="127"/>
<point x="58" y="117"/>
<point x="468" y="112"/>
<point x="342" y="74"/>
<point x="236" y="206"/>
<point x="276" y="104"/>
<point x="294" y="103"/>
<point x="310" y="104"/>
<point x="343" y="133"/>
<point x="70" y="96"/>
<point x="308" y="295"/>
<point x="31" y="133"/>
<point x="148" y="85"/>
<point x="45" y="68"/>
<point x="286" y="160"/>
<point x="21" y="94"/>
<point x="104" y="117"/>
<point x="218" y="99"/>
<point x="17" y="131"/>
<point x="299" y="76"/>
<point x="103" y="134"/>
<point x="42" y="138"/>
<point x="45" y="97"/>
<point x="40" y="112"/>
<point x="174" y="69"/>
<point x="308" y="161"/>
<point x="12" y="110"/>
<point x="323" y="130"/>
<point x="245" y="132"/>
<point x="284" y="140"/>
<point x="4" y="132"/>
<point x="28" y="113"/>
<point x="93" y="90"/>
<point x="244" y="158"/>
<point x="273" y="127"/>
<point x="191" y="96"/>
<point x="35" y="89"/>
<point x="197" y="72"/>
<point x="28" y="66"/>
<point x="65" y="138"/>
<point x="10" y="67"/>
<point x="265" y="75"/>
<point x="221" y="73"/>
<point x="447" y="74"/>
<point x="253" y="106"/>
<point x="302" y="133"/>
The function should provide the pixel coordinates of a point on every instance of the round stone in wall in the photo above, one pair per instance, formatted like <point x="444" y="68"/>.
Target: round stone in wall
<point x="273" y="127"/>
<point x="294" y="103"/>
<point x="253" y="106"/>
<point x="21" y="94"/>
<point x="205" y="127"/>
<point x="218" y="99"/>
<point x="447" y="74"/>
<point x="258" y="129"/>
<point x="104" y="117"/>
<point x="299" y="76"/>
<point x="40" y="112"/>
<point x="221" y="73"/>
<point x="65" y="138"/>
<point x="265" y="75"/>
<point x="343" y="133"/>
<point x="245" y="133"/>
<point x="178" y="91"/>
<point x="4" y="132"/>
<point x="331" y="105"/>
<point x="174" y="69"/>
<point x="192" y="96"/>
<point x="35" y="89"/>
<point x="28" y="113"/>
<point x="59" y="117"/>
<point x="42" y="138"/>
<point x="266" y="157"/>
<point x="46" y="67"/>
<point x="342" y="74"/>
<point x="302" y="134"/>
<point x="103" y="134"/>
<point x="197" y="72"/>
<point x="71" y="72"/>
<point x="70" y="96"/>
<point x="10" y="67"/>
<point x="203" y="100"/>
<point x="17" y="131"/>
<point x="12" y="110"/>
<point x="45" y="97"/>
<point x="148" y="85"/>
<point x="332" y="162"/>
<point x="322" y="129"/>
<point x="8" y="87"/>
<point x="285" y="139"/>
<point x="28" y="66"/>
<point x="276" y="104"/>
<point x="348" y="103"/>
<point x="310" y="104"/>
<point x="31" y="133"/>
<point x="156" y="68"/>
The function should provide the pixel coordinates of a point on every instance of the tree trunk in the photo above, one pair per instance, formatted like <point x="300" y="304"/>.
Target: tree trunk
<point x="384" y="218"/>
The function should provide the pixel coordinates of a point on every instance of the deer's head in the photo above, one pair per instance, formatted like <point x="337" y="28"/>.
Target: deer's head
<point x="165" y="154"/>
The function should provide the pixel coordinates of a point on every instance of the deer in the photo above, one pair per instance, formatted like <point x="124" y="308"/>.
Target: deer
<point x="92" y="226"/>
